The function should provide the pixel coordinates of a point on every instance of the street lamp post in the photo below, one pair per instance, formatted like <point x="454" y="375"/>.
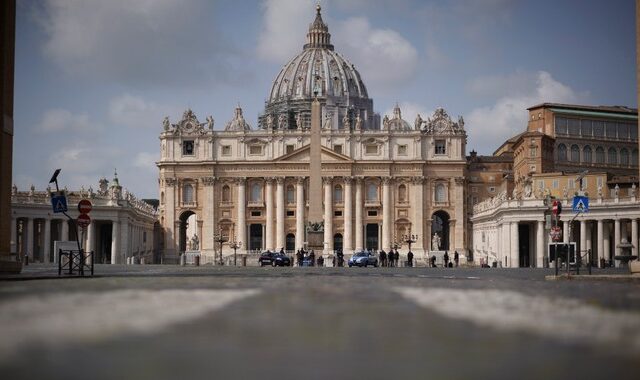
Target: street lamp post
<point x="219" y="237"/>
<point x="235" y="245"/>
<point x="410" y="239"/>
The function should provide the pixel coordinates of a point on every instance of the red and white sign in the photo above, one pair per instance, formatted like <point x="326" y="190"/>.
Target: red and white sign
<point x="556" y="233"/>
<point x="84" y="206"/>
<point x="83" y="220"/>
<point x="557" y="208"/>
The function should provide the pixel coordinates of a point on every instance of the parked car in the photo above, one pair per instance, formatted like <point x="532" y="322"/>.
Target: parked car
<point x="363" y="259"/>
<point x="274" y="259"/>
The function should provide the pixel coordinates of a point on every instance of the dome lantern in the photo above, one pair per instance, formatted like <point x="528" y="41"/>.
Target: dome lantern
<point x="318" y="36"/>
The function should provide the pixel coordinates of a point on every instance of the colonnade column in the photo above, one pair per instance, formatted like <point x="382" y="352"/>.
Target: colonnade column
<point x="359" y="210"/>
<point x="540" y="244"/>
<point x="29" y="248"/>
<point x="65" y="230"/>
<point x="300" y="213"/>
<point x="242" y="214"/>
<point x="616" y="238"/>
<point x="115" y="241"/>
<point x="634" y="236"/>
<point x="348" y="215"/>
<point x="268" y="196"/>
<point x="600" y="240"/>
<point x="515" y="246"/>
<point x="280" y="213"/>
<point x="607" y="242"/>
<point x="46" y="244"/>
<point x="14" y="235"/>
<point x="91" y="231"/>
<point x="583" y="239"/>
<point x="386" y="213"/>
<point x="565" y="231"/>
<point x="328" y="214"/>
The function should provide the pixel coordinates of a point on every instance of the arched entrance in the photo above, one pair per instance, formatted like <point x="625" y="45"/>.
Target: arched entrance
<point x="440" y="226"/>
<point x="337" y="242"/>
<point x="187" y="222"/>
<point x="290" y="243"/>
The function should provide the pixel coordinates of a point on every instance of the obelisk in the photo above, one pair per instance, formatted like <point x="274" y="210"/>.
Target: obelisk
<point x="315" y="165"/>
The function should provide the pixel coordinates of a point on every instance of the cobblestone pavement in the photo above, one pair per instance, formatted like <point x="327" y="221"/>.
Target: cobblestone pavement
<point x="165" y="322"/>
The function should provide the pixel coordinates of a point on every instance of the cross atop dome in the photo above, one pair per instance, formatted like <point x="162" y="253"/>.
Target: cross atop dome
<point x="318" y="36"/>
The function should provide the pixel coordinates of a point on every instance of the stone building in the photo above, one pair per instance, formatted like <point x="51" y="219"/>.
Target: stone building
<point x="374" y="181"/>
<point x="121" y="225"/>
<point x="561" y="143"/>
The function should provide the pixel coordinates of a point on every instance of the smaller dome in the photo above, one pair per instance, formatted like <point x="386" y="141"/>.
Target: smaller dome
<point x="397" y="123"/>
<point x="237" y="123"/>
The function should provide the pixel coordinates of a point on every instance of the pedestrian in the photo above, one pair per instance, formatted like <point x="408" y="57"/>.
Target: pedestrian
<point x="312" y="258"/>
<point x="383" y="258"/>
<point x="282" y="251"/>
<point x="433" y="261"/>
<point x="299" y="257"/>
<point x="320" y="261"/>
<point x="446" y="259"/>
<point x="396" y="257"/>
<point x="340" y="258"/>
<point x="456" y="257"/>
<point x="410" y="259"/>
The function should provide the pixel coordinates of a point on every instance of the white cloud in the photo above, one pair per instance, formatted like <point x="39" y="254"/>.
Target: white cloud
<point x="145" y="160"/>
<point x="59" y="119"/>
<point x="488" y="127"/>
<point x="155" y="42"/>
<point x="285" y="24"/>
<point x="409" y="111"/>
<point x="383" y="56"/>
<point x="135" y="112"/>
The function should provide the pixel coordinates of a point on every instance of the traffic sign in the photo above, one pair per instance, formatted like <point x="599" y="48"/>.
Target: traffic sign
<point x="580" y="204"/>
<point x="84" y="206"/>
<point x="556" y="233"/>
<point x="59" y="202"/>
<point x="557" y="207"/>
<point x="83" y="220"/>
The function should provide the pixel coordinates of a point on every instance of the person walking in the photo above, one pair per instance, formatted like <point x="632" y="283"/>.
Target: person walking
<point x="312" y="258"/>
<point x="456" y="257"/>
<point x="383" y="258"/>
<point x="299" y="257"/>
<point x="396" y="257"/>
<point x="410" y="259"/>
<point x="446" y="259"/>
<point x="433" y="261"/>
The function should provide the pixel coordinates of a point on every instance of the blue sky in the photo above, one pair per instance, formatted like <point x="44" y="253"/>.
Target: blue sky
<point x="95" y="78"/>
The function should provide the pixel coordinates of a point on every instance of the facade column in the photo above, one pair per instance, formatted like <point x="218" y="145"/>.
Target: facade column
<point x="30" y="232"/>
<point x="540" y="244"/>
<point x="125" y="243"/>
<point x="348" y="215"/>
<point x="172" y="241"/>
<point x="14" y="235"/>
<point x="634" y="236"/>
<point x="268" y="197"/>
<point x="607" y="242"/>
<point x="565" y="231"/>
<point x="515" y="246"/>
<point x="387" y="208"/>
<point x="91" y="232"/>
<point x="64" y="230"/>
<point x="600" y="241"/>
<point x="589" y="240"/>
<point x="328" y="214"/>
<point x="209" y="220"/>
<point x="616" y="239"/>
<point x="300" y="205"/>
<point x="241" y="203"/>
<point x="46" y="244"/>
<point x="583" y="239"/>
<point x="459" y="216"/>
<point x="359" y="210"/>
<point x="115" y="241"/>
<point x="280" y="213"/>
<point x="417" y="204"/>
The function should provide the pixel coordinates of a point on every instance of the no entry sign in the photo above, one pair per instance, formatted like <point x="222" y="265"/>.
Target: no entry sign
<point x="83" y="220"/>
<point x="84" y="206"/>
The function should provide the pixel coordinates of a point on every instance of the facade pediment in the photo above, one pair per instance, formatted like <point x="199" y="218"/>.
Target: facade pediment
<point x="303" y="155"/>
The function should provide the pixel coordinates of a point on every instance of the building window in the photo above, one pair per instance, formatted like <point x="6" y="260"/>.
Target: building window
<point x="634" y="131"/>
<point x="372" y="192"/>
<point x="187" y="148"/>
<point x="226" y="194"/>
<point x="599" y="181"/>
<point x="256" y="192"/>
<point x="337" y="148"/>
<point x="623" y="131"/>
<point x="402" y="150"/>
<point x="372" y="213"/>
<point x="337" y="194"/>
<point x="575" y="153"/>
<point x="291" y="213"/>
<point x="441" y="147"/>
<point x="610" y="130"/>
<point x="555" y="184"/>
<point x="561" y="126"/>
<point x="255" y="149"/>
<point x="492" y="189"/>
<point x="534" y="151"/>
<point x="598" y="128"/>
<point x="226" y="150"/>
<point x="187" y="193"/>
<point x="634" y="157"/>
<point x="574" y="127"/>
<point x="586" y="155"/>
<point x="562" y="152"/>
<point x="256" y="213"/>
<point x="624" y="157"/>
<point x="541" y="184"/>
<point x="599" y="155"/>
<point x="441" y="193"/>
<point x="612" y="156"/>
<point x="291" y="195"/>
<point x="402" y="193"/>
<point x="337" y="213"/>
<point x="474" y="189"/>
<point x="289" y="149"/>
<point x="586" y="129"/>
<point x="571" y="183"/>
<point x="371" y="149"/>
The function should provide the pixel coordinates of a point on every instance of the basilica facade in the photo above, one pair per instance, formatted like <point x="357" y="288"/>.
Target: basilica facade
<point x="377" y="180"/>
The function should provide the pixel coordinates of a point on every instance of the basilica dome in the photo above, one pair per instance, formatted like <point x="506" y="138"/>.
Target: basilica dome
<point x="320" y="72"/>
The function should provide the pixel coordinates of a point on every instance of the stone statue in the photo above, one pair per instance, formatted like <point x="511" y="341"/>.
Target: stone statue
<point x="435" y="242"/>
<point x="358" y="122"/>
<point x="616" y="191"/>
<point x="166" y="124"/>
<point x="633" y="190"/>
<point x="346" y="123"/>
<point x="32" y="191"/>
<point x="527" y="190"/>
<point x="195" y="243"/>
<point x="299" y="120"/>
<point x="282" y="121"/>
<point x="210" y="122"/>
<point x="14" y="189"/>
<point x="418" y="123"/>
<point x="565" y="193"/>
<point x="328" y="120"/>
<point x="269" y="121"/>
<point x="385" y="122"/>
<point x="599" y="191"/>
